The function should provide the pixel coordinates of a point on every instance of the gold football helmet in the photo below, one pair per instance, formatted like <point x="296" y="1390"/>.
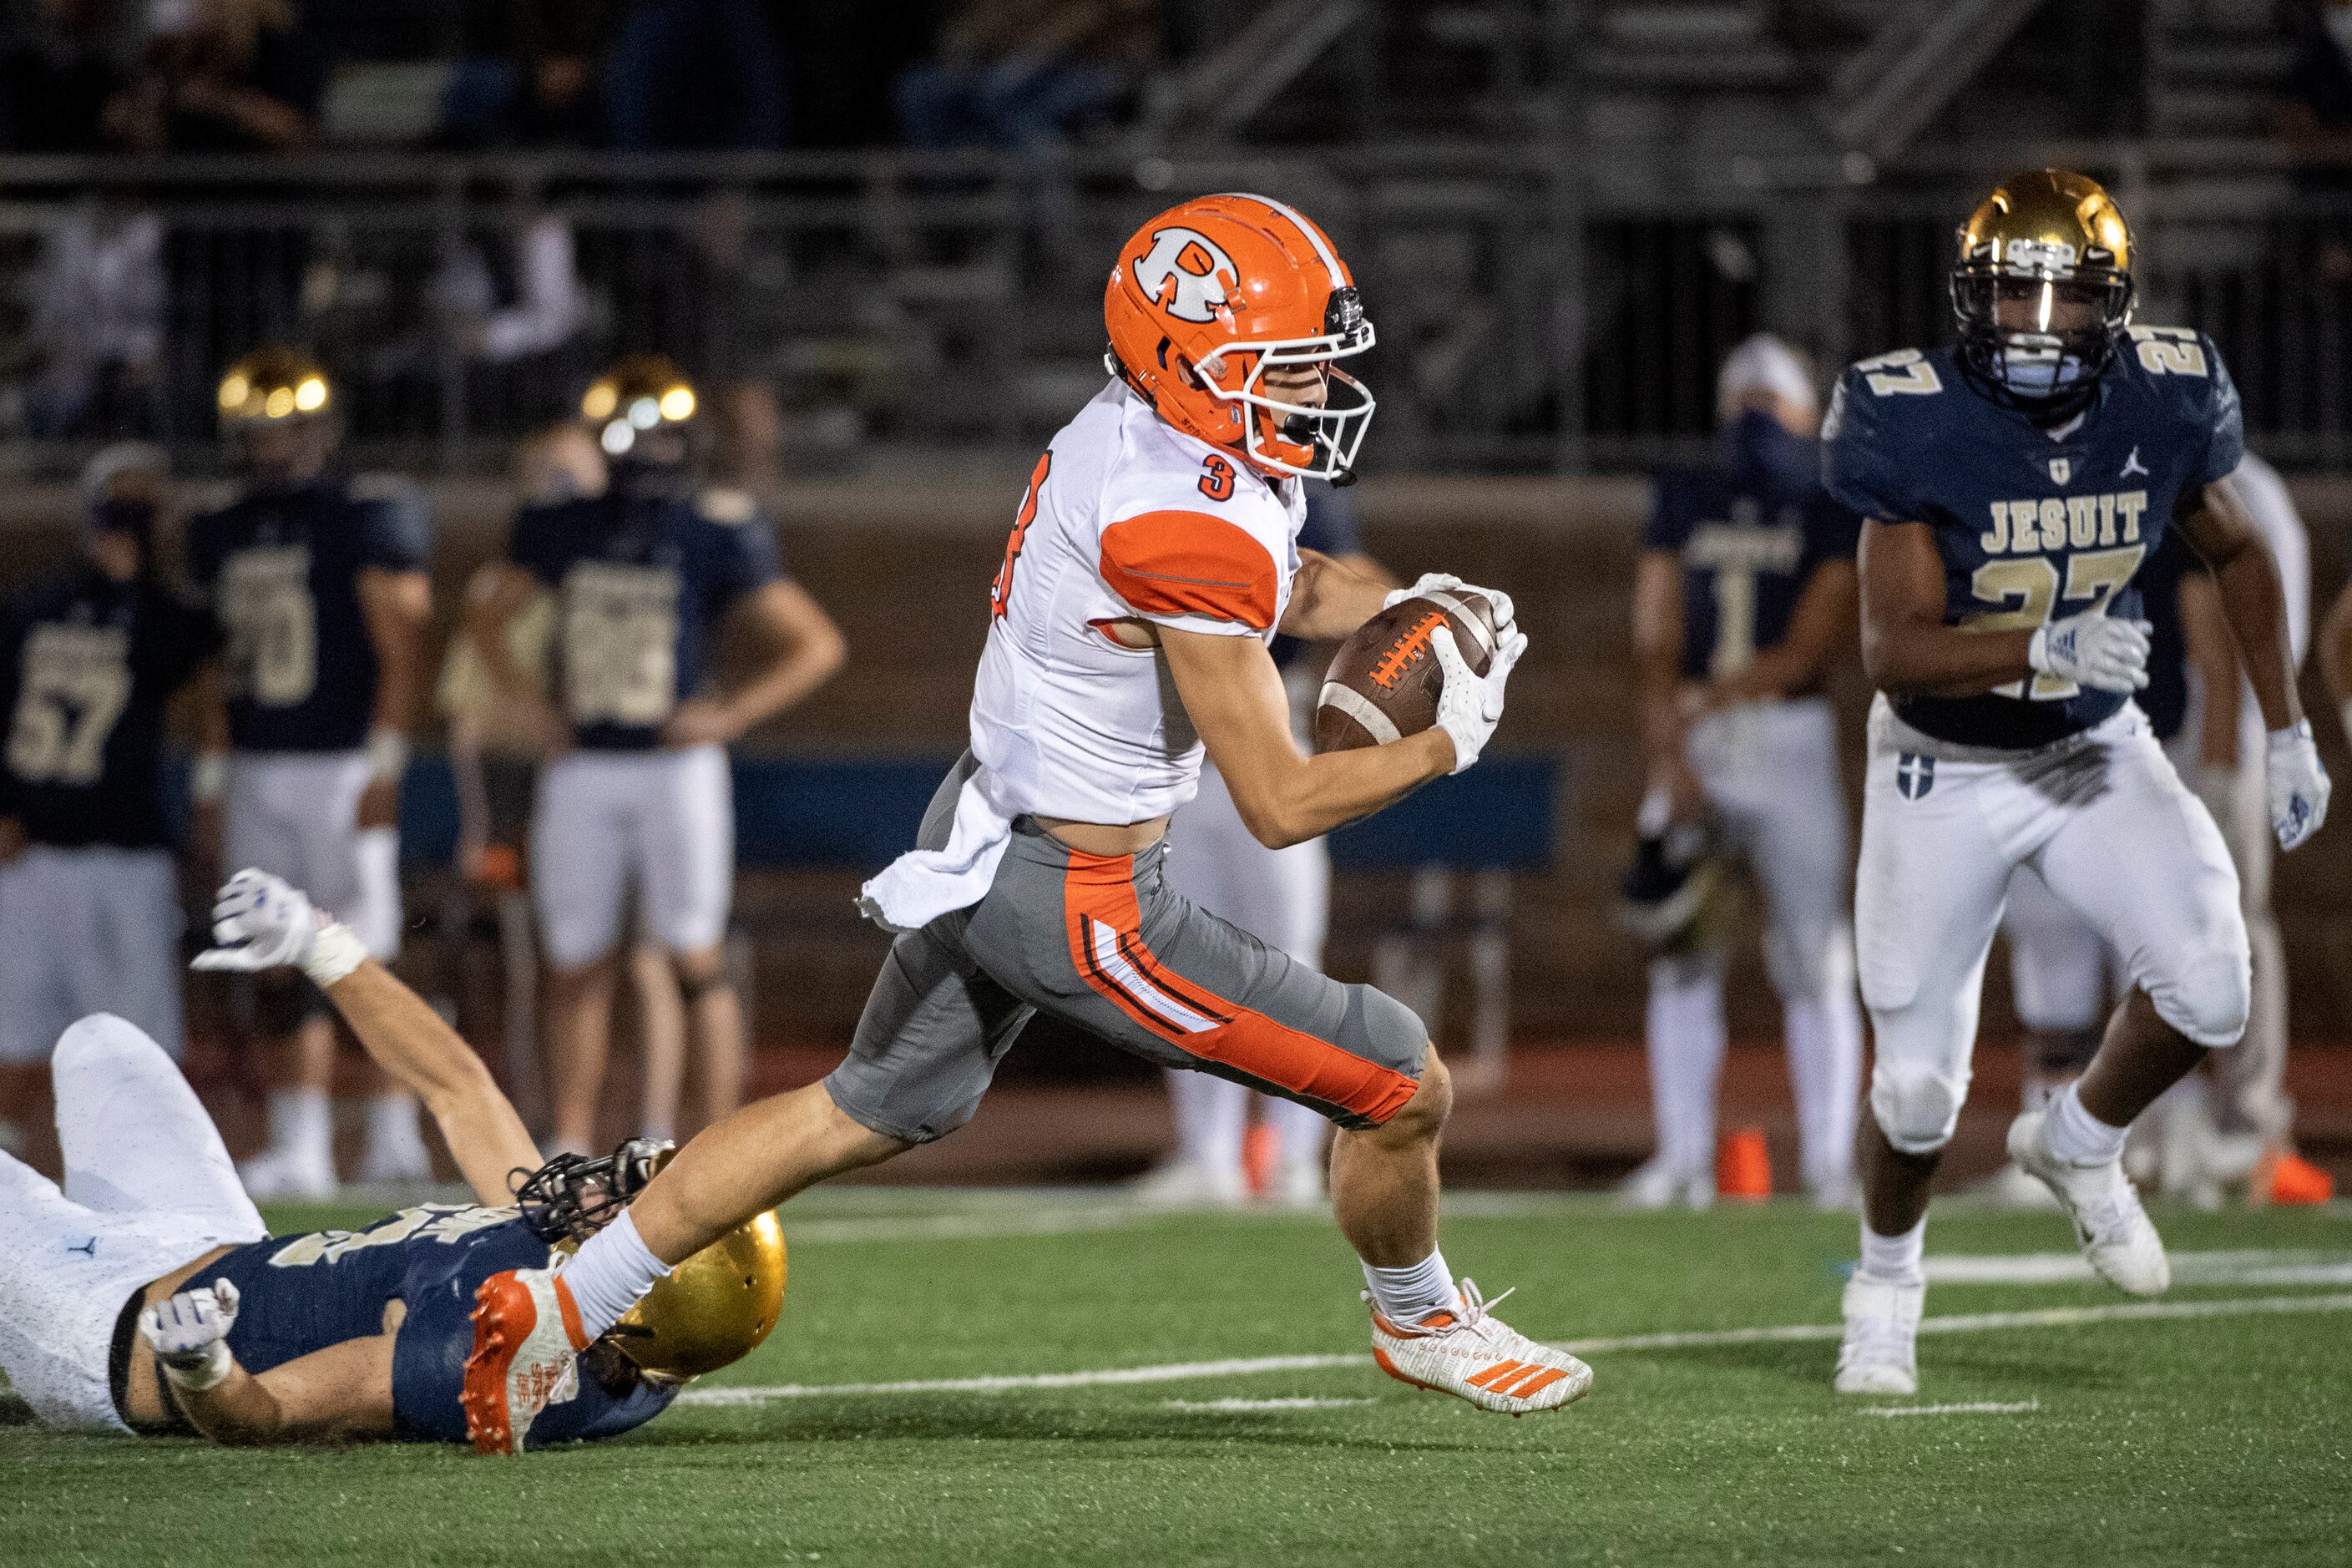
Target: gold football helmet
<point x="272" y="385"/>
<point x="715" y="1308"/>
<point x="640" y="395"/>
<point x="2043" y="285"/>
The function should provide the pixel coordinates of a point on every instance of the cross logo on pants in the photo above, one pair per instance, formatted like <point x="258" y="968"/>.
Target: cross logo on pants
<point x="1915" y="776"/>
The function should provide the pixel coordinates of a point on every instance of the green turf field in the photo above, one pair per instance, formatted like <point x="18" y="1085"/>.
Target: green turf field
<point x="2217" y="1438"/>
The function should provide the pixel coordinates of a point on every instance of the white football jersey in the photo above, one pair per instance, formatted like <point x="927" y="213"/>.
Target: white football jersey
<point x="1127" y="517"/>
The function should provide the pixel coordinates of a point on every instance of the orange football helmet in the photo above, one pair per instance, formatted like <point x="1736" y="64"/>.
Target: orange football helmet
<point x="1210" y="295"/>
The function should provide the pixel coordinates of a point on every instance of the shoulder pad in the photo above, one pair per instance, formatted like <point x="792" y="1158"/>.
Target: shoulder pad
<point x="1904" y="372"/>
<point x="2178" y="359"/>
<point x="727" y="506"/>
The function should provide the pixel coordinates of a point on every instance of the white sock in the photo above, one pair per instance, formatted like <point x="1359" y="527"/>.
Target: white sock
<point x="1824" y="1039"/>
<point x="1298" y="1131"/>
<point x="392" y="1120"/>
<point x="1685" y="1039"/>
<point x="1896" y="1260"/>
<point x="301" y="1125"/>
<point x="2076" y="1136"/>
<point x="1410" y="1294"/>
<point x="1211" y="1113"/>
<point x="612" y="1269"/>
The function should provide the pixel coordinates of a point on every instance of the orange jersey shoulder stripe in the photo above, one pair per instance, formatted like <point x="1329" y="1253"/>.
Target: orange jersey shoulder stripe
<point x="1190" y="563"/>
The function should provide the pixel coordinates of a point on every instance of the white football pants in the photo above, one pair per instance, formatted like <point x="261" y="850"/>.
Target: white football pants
<point x="292" y="814"/>
<point x="666" y="818"/>
<point x="1281" y="897"/>
<point x="1771" y="772"/>
<point x="148" y="1189"/>
<point x="88" y="929"/>
<point x="2111" y="830"/>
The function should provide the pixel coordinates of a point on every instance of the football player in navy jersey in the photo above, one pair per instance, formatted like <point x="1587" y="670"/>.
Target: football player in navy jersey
<point x="2011" y="488"/>
<point x="1281" y="897"/>
<point x="1744" y="594"/>
<point x="635" y="785"/>
<point x="145" y="1297"/>
<point x="320" y="580"/>
<point x="91" y="654"/>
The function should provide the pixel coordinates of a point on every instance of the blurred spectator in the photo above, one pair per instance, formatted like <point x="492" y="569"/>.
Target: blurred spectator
<point x="96" y="326"/>
<point x="2318" y="116"/>
<point x="694" y="74"/>
<point x="63" y="61"/>
<point x="531" y="74"/>
<point x="1024" y="74"/>
<point x="225" y="76"/>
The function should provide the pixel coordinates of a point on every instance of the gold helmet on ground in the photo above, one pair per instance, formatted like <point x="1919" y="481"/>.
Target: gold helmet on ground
<point x="272" y="383"/>
<point x="2043" y="285"/>
<point x="641" y="393"/>
<point x="715" y="1308"/>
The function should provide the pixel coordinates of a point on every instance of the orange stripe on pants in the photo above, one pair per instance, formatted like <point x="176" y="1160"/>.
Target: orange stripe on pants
<point x="1101" y="889"/>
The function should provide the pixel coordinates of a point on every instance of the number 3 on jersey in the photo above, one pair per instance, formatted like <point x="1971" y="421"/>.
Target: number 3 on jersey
<point x="1000" y="593"/>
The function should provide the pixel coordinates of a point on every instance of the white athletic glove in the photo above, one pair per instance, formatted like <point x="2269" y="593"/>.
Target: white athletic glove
<point x="1446" y="583"/>
<point x="1470" y="706"/>
<point x="189" y="1334"/>
<point x="262" y="921"/>
<point x="2298" y="784"/>
<point x="2093" y="649"/>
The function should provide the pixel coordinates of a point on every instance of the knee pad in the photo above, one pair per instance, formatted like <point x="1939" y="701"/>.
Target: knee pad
<point x="1915" y="1106"/>
<point x="2209" y="998"/>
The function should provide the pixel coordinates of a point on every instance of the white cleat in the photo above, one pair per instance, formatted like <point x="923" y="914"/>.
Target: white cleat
<point x="1881" y="1353"/>
<point x="2109" y="1224"/>
<point x="288" y="1173"/>
<point x="1474" y="1355"/>
<point x="2010" y="1188"/>
<point x="1296" y="1187"/>
<point x="1657" y="1186"/>
<point x="397" y="1162"/>
<point x="1190" y="1185"/>
<point x="1835" y="1192"/>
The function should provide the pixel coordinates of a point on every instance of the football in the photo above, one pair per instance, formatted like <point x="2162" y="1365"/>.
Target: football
<point x="1384" y="683"/>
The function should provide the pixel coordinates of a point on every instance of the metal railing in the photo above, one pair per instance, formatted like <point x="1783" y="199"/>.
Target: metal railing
<point x="1537" y="313"/>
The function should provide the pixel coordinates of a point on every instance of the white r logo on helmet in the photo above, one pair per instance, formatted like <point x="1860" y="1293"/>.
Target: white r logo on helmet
<point x="1192" y="263"/>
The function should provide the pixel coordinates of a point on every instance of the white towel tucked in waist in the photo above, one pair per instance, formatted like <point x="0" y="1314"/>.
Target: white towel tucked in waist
<point x="921" y="885"/>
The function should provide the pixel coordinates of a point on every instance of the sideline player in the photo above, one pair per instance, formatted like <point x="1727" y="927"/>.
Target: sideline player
<point x="635" y="781"/>
<point x="146" y="1297"/>
<point x="91" y="654"/>
<point x="1744" y="594"/>
<point x="1154" y="555"/>
<point x="320" y="580"/>
<point x="1281" y="897"/>
<point x="2336" y="656"/>
<point x="2012" y="486"/>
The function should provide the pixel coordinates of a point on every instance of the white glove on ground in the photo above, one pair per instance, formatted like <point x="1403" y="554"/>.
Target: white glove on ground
<point x="261" y="921"/>
<point x="189" y="1334"/>
<point x="1470" y="706"/>
<point x="1446" y="583"/>
<point x="2298" y="785"/>
<point x="2093" y="649"/>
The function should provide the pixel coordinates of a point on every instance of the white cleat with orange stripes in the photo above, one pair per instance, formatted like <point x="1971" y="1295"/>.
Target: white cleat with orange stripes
<point x="1474" y="1355"/>
<point x="527" y="1344"/>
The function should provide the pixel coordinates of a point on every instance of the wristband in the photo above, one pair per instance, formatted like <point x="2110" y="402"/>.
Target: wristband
<point x="387" y="754"/>
<point x="2300" y="731"/>
<point x="2037" y="650"/>
<point x="198" y="1371"/>
<point x="208" y="779"/>
<point x="334" y="952"/>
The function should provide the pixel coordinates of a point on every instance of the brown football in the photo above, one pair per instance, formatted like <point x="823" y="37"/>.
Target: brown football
<point x="1384" y="683"/>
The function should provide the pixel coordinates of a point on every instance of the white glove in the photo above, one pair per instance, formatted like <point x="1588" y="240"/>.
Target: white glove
<point x="2093" y="649"/>
<point x="1445" y="583"/>
<point x="1470" y="706"/>
<point x="189" y="1334"/>
<point x="262" y="921"/>
<point x="2298" y="784"/>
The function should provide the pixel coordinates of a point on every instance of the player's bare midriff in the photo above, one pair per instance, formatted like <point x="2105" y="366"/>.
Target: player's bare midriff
<point x="141" y="1392"/>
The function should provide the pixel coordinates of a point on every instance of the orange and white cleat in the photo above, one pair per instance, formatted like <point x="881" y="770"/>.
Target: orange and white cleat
<point x="527" y="1344"/>
<point x="1474" y="1355"/>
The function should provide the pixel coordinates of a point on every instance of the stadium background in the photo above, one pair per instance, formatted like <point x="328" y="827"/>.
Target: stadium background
<point x="886" y="282"/>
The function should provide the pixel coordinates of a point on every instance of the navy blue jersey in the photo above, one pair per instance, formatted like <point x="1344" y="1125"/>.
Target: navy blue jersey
<point x="280" y="568"/>
<point x="298" y="1294"/>
<point x="1749" y="530"/>
<point x="1331" y="529"/>
<point x="642" y="577"/>
<point x="87" y="665"/>
<point x="2165" y="699"/>
<point x="2031" y="528"/>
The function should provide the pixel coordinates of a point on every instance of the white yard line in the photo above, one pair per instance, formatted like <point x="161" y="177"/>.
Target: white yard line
<point x="1190" y="1371"/>
<point x="1225" y="1404"/>
<point x="1983" y="1407"/>
<point x="2274" y="1266"/>
<point x="966" y="1226"/>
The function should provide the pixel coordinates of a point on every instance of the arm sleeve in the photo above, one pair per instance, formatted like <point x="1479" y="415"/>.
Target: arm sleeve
<point x="2225" y="438"/>
<point x="1856" y="467"/>
<point x="1332" y="525"/>
<point x="395" y="524"/>
<point x="1193" y="572"/>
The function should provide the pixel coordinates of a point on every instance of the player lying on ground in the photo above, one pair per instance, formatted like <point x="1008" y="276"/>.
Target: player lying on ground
<point x="146" y="1296"/>
<point x="1154" y="557"/>
<point x="2013" y="487"/>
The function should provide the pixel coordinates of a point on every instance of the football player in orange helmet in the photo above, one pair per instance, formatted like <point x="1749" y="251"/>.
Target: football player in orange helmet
<point x="1230" y="326"/>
